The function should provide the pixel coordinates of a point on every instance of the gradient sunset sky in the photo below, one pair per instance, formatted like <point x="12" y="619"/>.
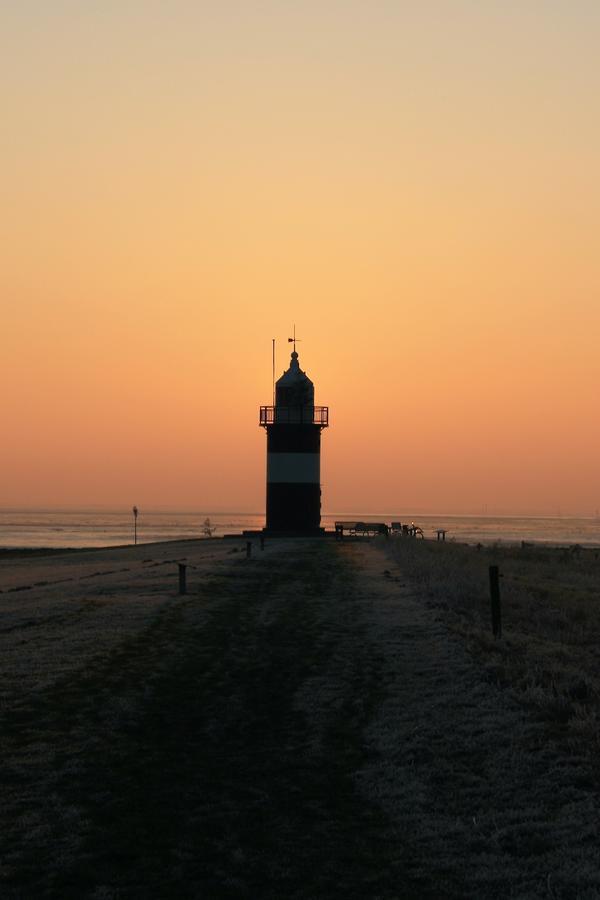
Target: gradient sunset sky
<point x="414" y="184"/>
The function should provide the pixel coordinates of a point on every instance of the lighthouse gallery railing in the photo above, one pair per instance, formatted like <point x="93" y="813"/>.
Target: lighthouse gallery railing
<point x="294" y="415"/>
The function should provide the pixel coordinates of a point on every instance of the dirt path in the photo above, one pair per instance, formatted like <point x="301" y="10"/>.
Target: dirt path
<point x="298" y="726"/>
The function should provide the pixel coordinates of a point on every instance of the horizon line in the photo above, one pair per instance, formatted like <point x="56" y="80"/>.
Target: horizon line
<point x="168" y="510"/>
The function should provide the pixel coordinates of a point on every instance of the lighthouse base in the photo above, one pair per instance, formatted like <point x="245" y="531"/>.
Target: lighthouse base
<point x="266" y="533"/>
<point x="293" y="507"/>
<point x="315" y="532"/>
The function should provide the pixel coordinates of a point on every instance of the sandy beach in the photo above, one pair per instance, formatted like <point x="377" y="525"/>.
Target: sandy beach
<point x="322" y="720"/>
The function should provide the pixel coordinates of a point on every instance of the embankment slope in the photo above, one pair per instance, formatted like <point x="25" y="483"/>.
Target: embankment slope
<point x="298" y="725"/>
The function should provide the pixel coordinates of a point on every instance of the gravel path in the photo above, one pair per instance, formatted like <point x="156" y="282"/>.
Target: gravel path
<point x="298" y="726"/>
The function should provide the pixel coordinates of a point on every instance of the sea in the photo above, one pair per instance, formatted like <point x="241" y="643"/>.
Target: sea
<point x="93" y="528"/>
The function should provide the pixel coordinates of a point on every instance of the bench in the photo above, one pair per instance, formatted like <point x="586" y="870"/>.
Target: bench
<point x="363" y="528"/>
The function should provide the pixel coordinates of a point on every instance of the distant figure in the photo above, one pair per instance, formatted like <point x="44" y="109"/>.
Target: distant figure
<point x="208" y="529"/>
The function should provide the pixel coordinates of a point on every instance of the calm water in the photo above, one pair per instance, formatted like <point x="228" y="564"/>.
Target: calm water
<point x="105" y="529"/>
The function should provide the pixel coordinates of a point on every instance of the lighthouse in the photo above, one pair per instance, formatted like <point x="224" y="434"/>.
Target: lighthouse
<point x="293" y="427"/>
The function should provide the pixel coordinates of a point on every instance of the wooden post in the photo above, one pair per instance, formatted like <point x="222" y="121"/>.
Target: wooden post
<point x="248" y="549"/>
<point x="495" y="598"/>
<point x="182" y="584"/>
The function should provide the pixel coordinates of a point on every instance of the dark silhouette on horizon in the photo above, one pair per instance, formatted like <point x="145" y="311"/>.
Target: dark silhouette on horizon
<point x="293" y="427"/>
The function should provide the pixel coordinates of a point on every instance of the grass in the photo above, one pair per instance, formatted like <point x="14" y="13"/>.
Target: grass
<point x="299" y="725"/>
<point x="193" y="761"/>
<point x="550" y="648"/>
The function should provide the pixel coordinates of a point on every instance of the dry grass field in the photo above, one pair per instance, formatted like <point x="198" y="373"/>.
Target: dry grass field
<point x="320" y="721"/>
<point x="549" y="654"/>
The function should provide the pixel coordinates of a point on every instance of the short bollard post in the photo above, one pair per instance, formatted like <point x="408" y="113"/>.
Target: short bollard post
<point x="495" y="597"/>
<point x="262" y="542"/>
<point x="182" y="584"/>
<point x="248" y="549"/>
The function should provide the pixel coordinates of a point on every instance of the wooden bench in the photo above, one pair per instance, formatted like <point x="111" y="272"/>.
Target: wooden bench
<point x="362" y="528"/>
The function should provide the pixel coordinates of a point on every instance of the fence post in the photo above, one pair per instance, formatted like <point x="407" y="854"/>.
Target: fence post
<point x="248" y="549"/>
<point x="495" y="598"/>
<point x="182" y="584"/>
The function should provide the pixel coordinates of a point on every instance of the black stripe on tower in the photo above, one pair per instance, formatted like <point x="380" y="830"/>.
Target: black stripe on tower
<point x="293" y="507"/>
<point x="293" y="439"/>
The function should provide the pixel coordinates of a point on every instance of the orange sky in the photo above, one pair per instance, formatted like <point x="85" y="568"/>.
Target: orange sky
<point x="415" y="185"/>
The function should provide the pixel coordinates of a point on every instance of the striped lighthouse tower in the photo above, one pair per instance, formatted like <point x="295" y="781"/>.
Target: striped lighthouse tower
<point x="293" y="428"/>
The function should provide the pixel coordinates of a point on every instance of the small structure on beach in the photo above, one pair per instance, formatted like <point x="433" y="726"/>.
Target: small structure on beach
<point x="293" y="425"/>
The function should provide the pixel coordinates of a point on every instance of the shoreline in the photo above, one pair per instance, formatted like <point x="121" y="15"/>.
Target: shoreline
<point x="21" y="552"/>
<point x="18" y="552"/>
<point x="70" y="531"/>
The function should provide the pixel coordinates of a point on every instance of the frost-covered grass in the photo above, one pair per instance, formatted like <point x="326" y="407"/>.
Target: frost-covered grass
<point x="186" y="752"/>
<point x="299" y="724"/>
<point x="550" y="646"/>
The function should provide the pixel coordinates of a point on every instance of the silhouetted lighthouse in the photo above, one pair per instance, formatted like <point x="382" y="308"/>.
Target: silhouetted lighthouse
<point x="294" y="453"/>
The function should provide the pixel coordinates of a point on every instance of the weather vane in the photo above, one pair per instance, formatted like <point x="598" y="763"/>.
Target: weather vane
<point x="293" y="339"/>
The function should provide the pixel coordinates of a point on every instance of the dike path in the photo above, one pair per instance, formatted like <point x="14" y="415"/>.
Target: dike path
<point x="298" y="725"/>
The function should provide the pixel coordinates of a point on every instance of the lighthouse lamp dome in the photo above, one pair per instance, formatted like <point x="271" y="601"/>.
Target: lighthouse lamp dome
<point x="294" y="388"/>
